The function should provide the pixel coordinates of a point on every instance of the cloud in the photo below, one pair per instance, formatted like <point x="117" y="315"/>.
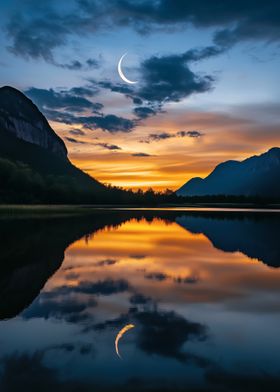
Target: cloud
<point x="194" y="134"/>
<point x="159" y="332"/>
<point x="137" y="256"/>
<point x="165" y="79"/>
<point x="72" y="140"/>
<point x="144" y="112"/>
<point x="170" y="79"/>
<point x="141" y="154"/>
<point x="77" y="132"/>
<point x="101" y="287"/>
<point x="32" y="373"/>
<point x="68" y="309"/>
<point x="72" y="100"/>
<point x="108" y="146"/>
<point x="160" y="276"/>
<point x="109" y="122"/>
<point x="83" y="91"/>
<point x="76" y="65"/>
<point x="105" y="287"/>
<point x="105" y="262"/>
<point x="36" y="30"/>
<point x="70" y="107"/>
<point x="186" y="279"/>
<point x="139" y="299"/>
<point x="155" y="137"/>
<point x="164" y="333"/>
<point x="114" y="87"/>
<point x="61" y="303"/>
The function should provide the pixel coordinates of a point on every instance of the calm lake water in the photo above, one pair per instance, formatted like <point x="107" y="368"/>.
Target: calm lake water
<point x="201" y="290"/>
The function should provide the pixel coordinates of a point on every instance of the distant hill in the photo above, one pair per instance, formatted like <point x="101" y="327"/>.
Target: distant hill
<point x="255" y="176"/>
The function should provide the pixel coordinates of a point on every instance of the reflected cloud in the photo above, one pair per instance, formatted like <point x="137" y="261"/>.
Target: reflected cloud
<point x="68" y="309"/>
<point x="105" y="262"/>
<point x="160" y="276"/>
<point x="186" y="279"/>
<point x="164" y="333"/>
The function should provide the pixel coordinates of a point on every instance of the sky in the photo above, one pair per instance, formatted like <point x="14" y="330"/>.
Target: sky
<point x="207" y="82"/>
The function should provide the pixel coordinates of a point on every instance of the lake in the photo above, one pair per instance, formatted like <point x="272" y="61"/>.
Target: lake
<point x="199" y="292"/>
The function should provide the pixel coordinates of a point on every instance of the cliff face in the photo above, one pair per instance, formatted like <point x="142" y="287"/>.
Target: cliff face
<point x="18" y="115"/>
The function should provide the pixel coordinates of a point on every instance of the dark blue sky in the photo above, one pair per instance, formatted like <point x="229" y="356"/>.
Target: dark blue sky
<point x="205" y="66"/>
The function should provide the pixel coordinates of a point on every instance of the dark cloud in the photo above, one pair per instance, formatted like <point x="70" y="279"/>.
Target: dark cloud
<point x="105" y="287"/>
<point x="105" y="262"/>
<point x="114" y="87"/>
<point x="138" y="256"/>
<point x="186" y="279"/>
<point x="144" y="112"/>
<point x="165" y="79"/>
<point x="241" y="380"/>
<point x="101" y="287"/>
<point x="159" y="332"/>
<point x="77" y="132"/>
<point x="160" y="276"/>
<point x="68" y="309"/>
<point x="141" y="154"/>
<point x="82" y="348"/>
<point x="70" y="101"/>
<point x="109" y="122"/>
<point x="117" y="322"/>
<point x="61" y="303"/>
<point x="75" y="141"/>
<point x="164" y="333"/>
<point x="76" y="65"/>
<point x="167" y="135"/>
<point x="33" y="375"/>
<point x="37" y="36"/>
<point x="35" y="32"/>
<point x="139" y="299"/>
<point x="71" y="276"/>
<point x="66" y="105"/>
<point x="158" y="136"/>
<point x="108" y="146"/>
<point x="194" y="134"/>
<point x="83" y="91"/>
<point x="170" y="79"/>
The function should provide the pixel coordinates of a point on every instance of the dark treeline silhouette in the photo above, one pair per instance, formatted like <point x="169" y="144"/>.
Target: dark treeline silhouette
<point x="20" y="183"/>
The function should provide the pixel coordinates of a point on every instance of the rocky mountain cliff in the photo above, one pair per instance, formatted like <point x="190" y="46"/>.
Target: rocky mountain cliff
<point x="19" y="116"/>
<point x="255" y="176"/>
<point x="34" y="167"/>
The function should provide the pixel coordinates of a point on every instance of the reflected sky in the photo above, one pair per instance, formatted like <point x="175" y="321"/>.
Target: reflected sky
<point x="204" y="317"/>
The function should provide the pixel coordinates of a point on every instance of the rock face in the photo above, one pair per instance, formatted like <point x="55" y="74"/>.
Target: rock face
<point x="19" y="116"/>
<point x="255" y="176"/>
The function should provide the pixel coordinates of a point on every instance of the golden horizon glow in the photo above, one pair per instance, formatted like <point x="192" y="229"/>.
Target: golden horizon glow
<point x="135" y="250"/>
<point x="167" y="163"/>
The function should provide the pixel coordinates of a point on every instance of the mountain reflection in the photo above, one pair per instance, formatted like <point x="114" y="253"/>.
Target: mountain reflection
<point x="198" y="286"/>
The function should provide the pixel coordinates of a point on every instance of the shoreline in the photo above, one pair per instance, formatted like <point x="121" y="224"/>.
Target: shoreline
<point x="60" y="210"/>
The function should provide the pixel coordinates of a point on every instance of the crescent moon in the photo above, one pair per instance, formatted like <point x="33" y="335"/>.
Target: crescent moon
<point x="120" y="335"/>
<point x="122" y="76"/>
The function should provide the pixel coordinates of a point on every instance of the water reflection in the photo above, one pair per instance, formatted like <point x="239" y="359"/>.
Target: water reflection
<point x="201" y="289"/>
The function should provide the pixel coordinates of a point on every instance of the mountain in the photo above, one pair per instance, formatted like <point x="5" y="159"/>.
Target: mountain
<point x="19" y="116"/>
<point x="255" y="235"/>
<point x="33" y="159"/>
<point x="255" y="176"/>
